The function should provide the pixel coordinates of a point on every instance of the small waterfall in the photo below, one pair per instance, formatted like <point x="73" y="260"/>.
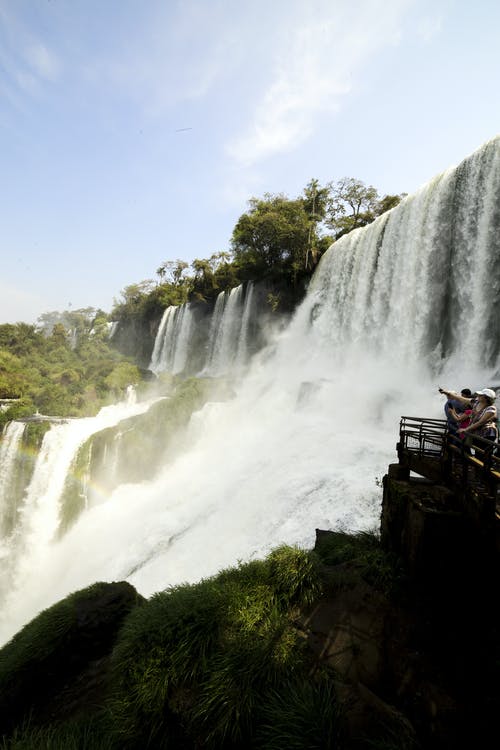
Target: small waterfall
<point x="215" y="325"/>
<point x="131" y="395"/>
<point x="243" y="351"/>
<point x="112" y="326"/>
<point x="171" y="347"/>
<point x="229" y="333"/>
<point x="9" y="475"/>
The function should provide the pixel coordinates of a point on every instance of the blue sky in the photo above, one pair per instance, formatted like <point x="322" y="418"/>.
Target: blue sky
<point x="134" y="131"/>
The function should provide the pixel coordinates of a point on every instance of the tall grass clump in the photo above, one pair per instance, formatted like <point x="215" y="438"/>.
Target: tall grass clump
<point x="365" y="557"/>
<point x="196" y="663"/>
<point x="91" y="733"/>
<point x="301" y="715"/>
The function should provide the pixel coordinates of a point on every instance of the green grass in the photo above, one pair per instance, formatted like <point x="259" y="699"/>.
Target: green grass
<point x="89" y="734"/>
<point x="205" y="656"/>
<point x="358" y="556"/>
<point x="301" y="715"/>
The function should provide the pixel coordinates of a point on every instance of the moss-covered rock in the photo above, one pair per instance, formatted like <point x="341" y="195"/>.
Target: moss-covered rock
<point x="51" y="651"/>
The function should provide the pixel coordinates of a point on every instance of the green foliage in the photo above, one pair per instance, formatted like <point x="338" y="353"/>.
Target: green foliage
<point x="272" y="238"/>
<point x="133" y="301"/>
<point x="352" y="204"/>
<point x="89" y="733"/>
<point x="47" y="372"/>
<point x="33" y="434"/>
<point x="371" y="562"/>
<point x="72" y="502"/>
<point x="122" y="375"/>
<point x="295" y="576"/>
<point x="277" y="238"/>
<point x="337" y="547"/>
<point x="207" y="656"/>
<point x="301" y="715"/>
<point x="23" y="407"/>
<point x="217" y="664"/>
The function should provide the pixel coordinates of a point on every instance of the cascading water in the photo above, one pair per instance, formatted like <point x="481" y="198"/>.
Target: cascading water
<point x="228" y="341"/>
<point x="36" y="517"/>
<point x="243" y="349"/>
<point x="392" y="307"/>
<point x="171" y="346"/>
<point x="9" y="469"/>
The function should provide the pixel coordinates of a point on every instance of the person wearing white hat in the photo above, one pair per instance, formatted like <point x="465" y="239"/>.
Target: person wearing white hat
<point x="484" y="417"/>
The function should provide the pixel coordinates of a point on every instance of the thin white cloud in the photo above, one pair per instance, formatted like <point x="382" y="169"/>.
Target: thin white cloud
<point x="27" y="61"/>
<point x="429" y="27"/>
<point x="319" y="53"/>
<point x="42" y="61"/>
<point x="176" y="54"/>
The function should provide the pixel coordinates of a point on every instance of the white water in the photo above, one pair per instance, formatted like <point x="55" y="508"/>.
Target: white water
<point x="171" y="346"/>
<point x="315" y="422"/>
<point x="27" y="548"/>
<point x="228" y="340"/>
<point x="9" y="452"/>
<point x="227" y="344"/>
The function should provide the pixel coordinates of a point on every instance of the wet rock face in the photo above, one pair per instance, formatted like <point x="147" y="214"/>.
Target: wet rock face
<point x="50" y="653"/>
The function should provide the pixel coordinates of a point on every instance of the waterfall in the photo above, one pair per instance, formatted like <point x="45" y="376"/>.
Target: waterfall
<point x="228" y="339"/>
<point x="171" y="347"/>
<point x="27" y="541"/>
<point x="422" y="284"/>
<point x="9" y="471"/>
<point x="243" y="349"/>
<point x="394" y="310"/>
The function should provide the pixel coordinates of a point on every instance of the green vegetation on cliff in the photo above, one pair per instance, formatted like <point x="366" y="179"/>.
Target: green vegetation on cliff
<point x="278" y="239"/>
<point x="138" y="446"/>
<point x="329" y="649"/>
<point x="215" y="664"/>
<point x="56" y="376"/>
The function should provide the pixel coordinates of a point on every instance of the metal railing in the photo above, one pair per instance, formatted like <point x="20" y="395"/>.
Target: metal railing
<point x="423" y="437"/>
<point x="427" y="447"/>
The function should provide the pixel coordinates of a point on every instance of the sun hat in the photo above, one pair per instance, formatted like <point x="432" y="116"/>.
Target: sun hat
<point x="488" y="392"/>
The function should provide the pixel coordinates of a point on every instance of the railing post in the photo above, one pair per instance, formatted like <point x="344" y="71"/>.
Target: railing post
<point x="447" y="462"/>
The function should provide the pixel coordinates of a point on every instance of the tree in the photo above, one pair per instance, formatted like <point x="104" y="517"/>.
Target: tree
<point x="352" y="204"/>
<point x="388" y="202"/>
<point x="315" y="205"/>
<point x="272" y="237"/>
<point x="58" y="337"/>
<point x="175" y="270"/>
<point x="315" y="199"/>
<point x="122" y="375"/>
<point x="134" y="297"/>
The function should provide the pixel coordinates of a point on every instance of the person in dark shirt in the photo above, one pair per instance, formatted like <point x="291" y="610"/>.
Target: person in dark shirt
<point x="454" y="406"/>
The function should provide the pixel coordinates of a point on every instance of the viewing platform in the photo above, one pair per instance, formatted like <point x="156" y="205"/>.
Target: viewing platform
<point x="426" y="448"/>
<point x="441" y="503"/>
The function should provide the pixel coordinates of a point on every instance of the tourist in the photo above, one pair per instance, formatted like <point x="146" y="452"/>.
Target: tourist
<point x="462" y="419"/>
<point x="483" y="422"/>
<point x="456" y="404"/>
